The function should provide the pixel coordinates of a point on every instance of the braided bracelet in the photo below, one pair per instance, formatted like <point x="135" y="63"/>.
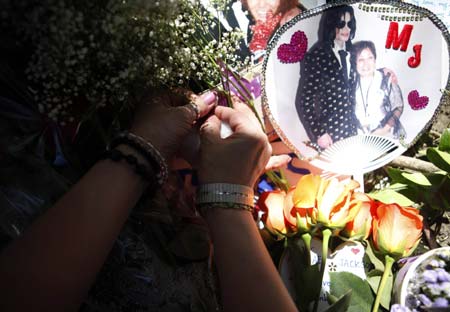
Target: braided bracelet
<point x="204" y="208"/>
<point x="145" y="172"/>
<point x="147" y="150"/>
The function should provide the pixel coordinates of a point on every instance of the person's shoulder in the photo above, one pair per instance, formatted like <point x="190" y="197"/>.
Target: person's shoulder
<point x="382" y="76"/>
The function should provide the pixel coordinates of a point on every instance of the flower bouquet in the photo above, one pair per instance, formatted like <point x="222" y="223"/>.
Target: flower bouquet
<point x="334" y="212"/>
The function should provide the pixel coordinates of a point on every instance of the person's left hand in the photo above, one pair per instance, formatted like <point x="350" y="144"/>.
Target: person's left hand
<point x="166" y="119"/>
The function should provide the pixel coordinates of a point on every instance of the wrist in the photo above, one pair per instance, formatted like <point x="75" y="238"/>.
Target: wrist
<point x="153" y="138"/>
<point x="136" y="145"/>
<point x="127" y="150"/>
<point x="211" y="179"/>
<point x="213" y="196"/>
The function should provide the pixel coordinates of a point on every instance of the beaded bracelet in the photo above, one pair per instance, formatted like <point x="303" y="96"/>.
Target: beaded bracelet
<point x="145" y="172"/>
<point x="147" y="150"/>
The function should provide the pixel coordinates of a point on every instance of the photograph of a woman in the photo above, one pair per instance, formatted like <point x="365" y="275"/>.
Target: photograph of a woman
<point x="378" y="99"/>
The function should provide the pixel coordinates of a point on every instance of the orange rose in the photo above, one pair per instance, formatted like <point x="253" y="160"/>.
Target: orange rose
<point x="328" y="199"/>
<point x="276" y="204"/>
<point x="360" y="226"/>
<point x="300" y="218"/>
<point x="396" y="230"/>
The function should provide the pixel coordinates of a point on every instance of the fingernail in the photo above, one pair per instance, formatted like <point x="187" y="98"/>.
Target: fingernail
<point x="209" y="98"/>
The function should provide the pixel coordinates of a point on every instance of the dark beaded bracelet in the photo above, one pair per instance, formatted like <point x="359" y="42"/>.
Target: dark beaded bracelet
<point x="145" y="172"/>
<point x="147" y="150"/>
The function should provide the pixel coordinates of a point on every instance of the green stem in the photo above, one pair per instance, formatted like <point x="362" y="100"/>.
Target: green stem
<point x="326" y="234"/>
<point x="388" y="262"/>
<point x="281" y="183"/>
<point x="247" y="95"/>
<point x="306" y="237"/>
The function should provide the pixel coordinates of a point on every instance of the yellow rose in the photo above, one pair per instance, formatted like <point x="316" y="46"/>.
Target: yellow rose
<point x="328" y="199"/>
<point x="360" y="226"/>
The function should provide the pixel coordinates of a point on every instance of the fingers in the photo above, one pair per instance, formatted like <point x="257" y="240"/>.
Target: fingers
<point x="210" y="129"/>
<point x="245" y="108"/>
<point x="277" y="161"/>
<point x="206" y="102"/>
<point x="325" y="141"/>
<point x="240" y="117"/>
<point x="199" y="106"/>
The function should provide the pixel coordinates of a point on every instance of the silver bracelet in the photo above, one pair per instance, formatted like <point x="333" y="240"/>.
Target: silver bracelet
<point x="225" y="193"/>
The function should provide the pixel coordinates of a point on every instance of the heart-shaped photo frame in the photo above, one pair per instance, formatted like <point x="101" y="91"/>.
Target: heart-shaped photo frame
<point x="351" y="85"/>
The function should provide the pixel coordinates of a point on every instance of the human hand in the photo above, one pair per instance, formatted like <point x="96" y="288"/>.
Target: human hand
<point x="241" y="157"/>
<point x="166" y="119"/>
<point x="385" y="130"/>
<point x="388" y="71"/>
<point x="325" y="140"/>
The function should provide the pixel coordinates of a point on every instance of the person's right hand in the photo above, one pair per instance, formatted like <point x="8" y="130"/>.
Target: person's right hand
<point x="325" y="140"/>
<point x="239" y="158"/>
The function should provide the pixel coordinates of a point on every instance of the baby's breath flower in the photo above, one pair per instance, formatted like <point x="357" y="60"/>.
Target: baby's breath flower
<point x="106" y="52"/>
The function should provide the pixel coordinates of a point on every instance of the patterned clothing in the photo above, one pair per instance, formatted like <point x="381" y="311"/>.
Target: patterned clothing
<point x="136" y="277"/>
<point x="377" y="101"/>
<point x="154" y="265"/>
<point x="324" y="102"/>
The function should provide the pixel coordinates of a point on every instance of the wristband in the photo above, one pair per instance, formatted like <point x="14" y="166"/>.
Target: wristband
<point x="225" y="193"/>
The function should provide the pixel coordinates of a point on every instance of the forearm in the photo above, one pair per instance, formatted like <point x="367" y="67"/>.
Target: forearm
<point x="52" y="266"/>
<point x="243" y="262"/>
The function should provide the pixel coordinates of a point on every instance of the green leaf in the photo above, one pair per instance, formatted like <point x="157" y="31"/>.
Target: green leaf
<point x="417" y="178"/>
<point x="389" y="196"/>
<point x="444" y="144"/>
<point x="301" y="274"/>
<point x="342" y="304"/>
<point x="396" y="176"/>
<point x="439" y="158"/>
<point x="398" y="186"/>
<point x="370" y="256"/>
<point x="362" y="297"/>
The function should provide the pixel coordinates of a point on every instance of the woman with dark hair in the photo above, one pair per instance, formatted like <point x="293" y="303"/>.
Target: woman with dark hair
<point x="324" y="99"/>
<point x="378" y="101"/>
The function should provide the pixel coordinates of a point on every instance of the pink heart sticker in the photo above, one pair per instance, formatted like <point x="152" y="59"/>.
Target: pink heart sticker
<point x="294" y="51"/>
<point x="417" y="102"/>
<point x="355" y="250"/>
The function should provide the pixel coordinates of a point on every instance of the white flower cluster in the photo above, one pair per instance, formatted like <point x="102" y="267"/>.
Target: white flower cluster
<point x="104" y="53"/>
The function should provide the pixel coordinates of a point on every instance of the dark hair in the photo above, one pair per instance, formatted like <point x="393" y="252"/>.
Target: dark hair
<point x="285" y="5"/>
<point x="362" y="45"/>
<point x="331" y="20"/>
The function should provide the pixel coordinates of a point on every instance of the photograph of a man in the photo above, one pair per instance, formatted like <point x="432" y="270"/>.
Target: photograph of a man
<point x="324" y="100"/>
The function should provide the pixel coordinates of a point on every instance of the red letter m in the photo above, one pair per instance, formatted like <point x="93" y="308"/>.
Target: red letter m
<point x="395" y="40"/>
